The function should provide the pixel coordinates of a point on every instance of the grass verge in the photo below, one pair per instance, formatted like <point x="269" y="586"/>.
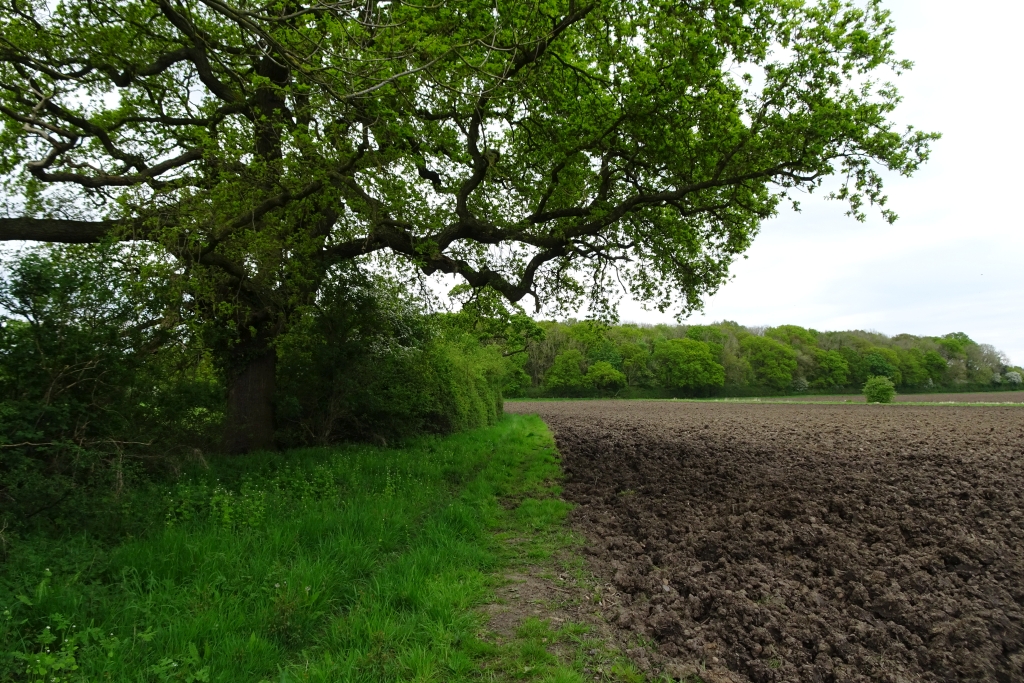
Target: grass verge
<point x="345" y="564"/>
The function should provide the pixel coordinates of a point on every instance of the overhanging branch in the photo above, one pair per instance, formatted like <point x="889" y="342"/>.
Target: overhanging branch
<point x="58" y="230"/>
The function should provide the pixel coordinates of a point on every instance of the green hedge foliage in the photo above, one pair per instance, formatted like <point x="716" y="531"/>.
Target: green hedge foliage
<point x="445" y="382"/>
<point x="105" y="380"/>
<point x="98" y="387"/>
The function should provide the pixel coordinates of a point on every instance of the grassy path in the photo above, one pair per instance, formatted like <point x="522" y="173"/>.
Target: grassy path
<point x="346" y="564"/>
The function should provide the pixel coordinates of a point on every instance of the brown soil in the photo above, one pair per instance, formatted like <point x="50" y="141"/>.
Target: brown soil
<point x="975" y="397"/>
<point x="805" y="543"/>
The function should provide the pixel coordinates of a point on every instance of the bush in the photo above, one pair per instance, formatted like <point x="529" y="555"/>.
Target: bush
<point x="879" y="389"/>
<point x="368" y="365"/>
<point x="105" y="385"/>
<point x="97" y="385"/>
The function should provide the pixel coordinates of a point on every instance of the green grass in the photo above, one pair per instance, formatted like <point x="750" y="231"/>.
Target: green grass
<point x="346" y="564"/>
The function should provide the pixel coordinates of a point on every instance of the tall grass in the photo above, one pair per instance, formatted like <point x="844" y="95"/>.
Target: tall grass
<point x="344" y="564"/>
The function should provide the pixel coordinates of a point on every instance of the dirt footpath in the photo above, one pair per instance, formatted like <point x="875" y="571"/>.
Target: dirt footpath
<point x="805" y="542"/>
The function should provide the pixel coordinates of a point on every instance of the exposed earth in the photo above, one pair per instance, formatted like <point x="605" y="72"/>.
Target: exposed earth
<point x="975" y="397"/>
<point x="775" y="542"/>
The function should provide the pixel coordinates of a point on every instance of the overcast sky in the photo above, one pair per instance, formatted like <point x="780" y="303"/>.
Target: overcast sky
<point x="955" y="259"/>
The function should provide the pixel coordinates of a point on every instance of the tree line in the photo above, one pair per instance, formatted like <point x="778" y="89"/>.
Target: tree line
<point x="589" y="357"/>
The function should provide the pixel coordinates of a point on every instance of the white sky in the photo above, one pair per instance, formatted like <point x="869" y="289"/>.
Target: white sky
<point x="954" y="261"/>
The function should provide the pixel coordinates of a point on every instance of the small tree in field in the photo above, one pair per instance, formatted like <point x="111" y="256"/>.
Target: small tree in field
<point x="879" y="389"/>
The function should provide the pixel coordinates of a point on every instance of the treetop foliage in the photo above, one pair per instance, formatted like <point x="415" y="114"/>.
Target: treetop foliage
<point x="687" y="364"/>
<point x="597" y="143"/>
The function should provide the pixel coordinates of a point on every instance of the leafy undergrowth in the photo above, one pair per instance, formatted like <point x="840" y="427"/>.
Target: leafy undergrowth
<point x="346" y="564"/>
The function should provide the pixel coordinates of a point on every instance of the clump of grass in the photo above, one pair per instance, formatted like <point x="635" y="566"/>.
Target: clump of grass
<point x="345" y="564"/>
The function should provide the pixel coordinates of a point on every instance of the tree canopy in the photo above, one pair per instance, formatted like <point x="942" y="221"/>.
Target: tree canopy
<point x="687" y="364"/>
<point x="553" y="149"/>
<point x="597" y="131"/>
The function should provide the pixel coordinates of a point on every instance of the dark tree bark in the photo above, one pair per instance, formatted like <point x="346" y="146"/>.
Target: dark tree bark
<point x="250" y="410"/>
<point x="55" y="230"/>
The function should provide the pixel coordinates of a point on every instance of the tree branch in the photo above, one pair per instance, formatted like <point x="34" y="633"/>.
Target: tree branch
<point x="57" y="230"/>
<point x="38" y="169"/>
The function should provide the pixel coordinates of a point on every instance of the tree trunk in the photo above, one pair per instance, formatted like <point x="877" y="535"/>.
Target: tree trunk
<point x="250" y="413"/>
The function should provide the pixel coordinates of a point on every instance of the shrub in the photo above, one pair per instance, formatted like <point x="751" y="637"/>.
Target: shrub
<point x="879" y="389"/>
<point x="1013" y="378"/>
<point x="97" y="385"/>
<point x="105" y="384"/>
<point x="368" y="365"/>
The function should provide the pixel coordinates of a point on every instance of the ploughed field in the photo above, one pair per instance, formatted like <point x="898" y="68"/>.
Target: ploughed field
<point x="971" y="397"/>
<point x="775" y="542"/>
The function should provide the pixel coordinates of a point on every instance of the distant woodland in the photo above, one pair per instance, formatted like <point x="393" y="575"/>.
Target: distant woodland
<point x="579" y="358"/>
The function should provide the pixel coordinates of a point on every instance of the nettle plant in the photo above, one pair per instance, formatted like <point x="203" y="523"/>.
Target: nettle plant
<point x="557" y="150"/>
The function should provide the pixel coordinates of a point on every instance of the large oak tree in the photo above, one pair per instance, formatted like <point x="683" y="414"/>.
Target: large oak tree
<point x="547" y="148"/>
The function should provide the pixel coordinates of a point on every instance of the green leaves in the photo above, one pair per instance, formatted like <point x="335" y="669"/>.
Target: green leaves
<point x="550" y="151"/>
<point x="687" y="364"/>
<point x="879" y="389"/>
